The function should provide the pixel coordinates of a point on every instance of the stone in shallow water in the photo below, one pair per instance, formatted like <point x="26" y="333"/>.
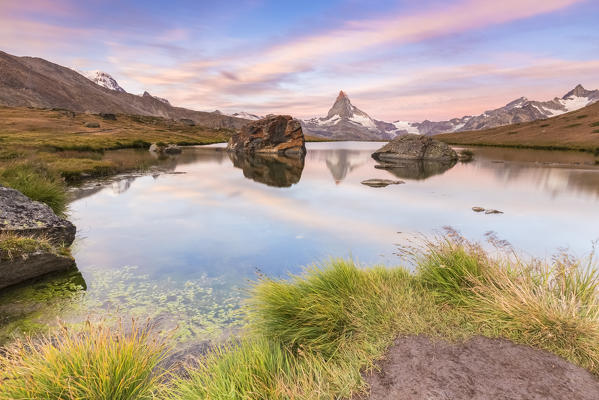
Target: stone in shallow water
<point x="380" y="182"/>
<point x="415" y="147"/>
<point x="490" y="211"/>
<point x="478" y="209"/>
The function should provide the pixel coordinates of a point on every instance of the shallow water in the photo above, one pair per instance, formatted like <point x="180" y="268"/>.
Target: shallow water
<point x="181" y="246"/>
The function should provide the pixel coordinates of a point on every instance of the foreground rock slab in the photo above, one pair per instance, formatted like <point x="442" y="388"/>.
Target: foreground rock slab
<point x="378" y="183"/>
<point x="28" y="266"/>
<point x="417" y="367"/>
<point x="22" y="216"/>
<point x="415" y="147"/>
<point x="280" y="134"/>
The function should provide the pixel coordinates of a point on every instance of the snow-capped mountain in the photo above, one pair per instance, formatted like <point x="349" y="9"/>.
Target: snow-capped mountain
<point x="246" y="115"/>
<point x="103" y="79"/>
<point x="346" y="121"/>
<point x="519" y="110"/>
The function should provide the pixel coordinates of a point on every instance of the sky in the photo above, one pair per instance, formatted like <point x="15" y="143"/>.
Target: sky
<point x="397" y="60"/>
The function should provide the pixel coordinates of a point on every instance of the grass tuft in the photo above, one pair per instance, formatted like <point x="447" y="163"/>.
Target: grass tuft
<point x="14" y="246"/>
<point x="35" y="181"/>
<point x="96" y="363"/>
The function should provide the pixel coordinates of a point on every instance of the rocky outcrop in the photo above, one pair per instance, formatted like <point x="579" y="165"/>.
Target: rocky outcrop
<point x="277" y="134"/>
<point x="32" y="231"/>
<point x="22" y="216"/>
<point x="415" y="147"/>
<point x="270" y="169"/>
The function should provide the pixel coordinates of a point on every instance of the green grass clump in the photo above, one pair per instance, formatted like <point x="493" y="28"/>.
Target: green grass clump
<point x="95" y="363"/>
<point x="35" y="181"/>
<point x="596" y="131"/>
<point x="581" y="116"/>
<point x="573" y="125"/>
<point x="13" y="246"/>
<point x="595" y="124"/>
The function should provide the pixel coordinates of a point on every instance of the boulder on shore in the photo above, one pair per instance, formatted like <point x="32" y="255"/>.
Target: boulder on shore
<point x="280" y="134"/>
<point x="415" y="147"/>
<point x="22" y="216"/>
<point x="45" y="233"/>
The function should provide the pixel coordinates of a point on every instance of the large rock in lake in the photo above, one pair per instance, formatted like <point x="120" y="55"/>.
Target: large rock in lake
<point x="415" y="147"/>
<point x="279" y="134"/>
<point x="22" y="216"/>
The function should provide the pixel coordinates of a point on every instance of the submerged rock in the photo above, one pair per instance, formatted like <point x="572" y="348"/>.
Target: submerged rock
<point x="22" y="216"/>
<point x="415" y="147"/>
<point x="279" y="134"/>
<point x="377" y="183"/>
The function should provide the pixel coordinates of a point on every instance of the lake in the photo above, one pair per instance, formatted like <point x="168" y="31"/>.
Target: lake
<point x="181" y="244"/>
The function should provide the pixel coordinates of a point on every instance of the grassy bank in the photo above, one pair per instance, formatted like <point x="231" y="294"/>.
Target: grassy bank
<point x="312" y="336"/>
<point x="42" y="150"/>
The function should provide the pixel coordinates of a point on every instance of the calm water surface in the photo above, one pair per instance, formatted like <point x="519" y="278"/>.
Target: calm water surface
<point x="181" y="246"/>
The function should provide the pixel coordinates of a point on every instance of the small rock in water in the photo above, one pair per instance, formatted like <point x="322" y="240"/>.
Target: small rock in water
<point x="380" y="182"/>
<point x="478" y="209"/>
<point x="493" y="212"/>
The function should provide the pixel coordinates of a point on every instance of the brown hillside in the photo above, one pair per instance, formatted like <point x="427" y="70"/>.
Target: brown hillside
<point x="578" y="130"/>
<point x="34" y="82"/>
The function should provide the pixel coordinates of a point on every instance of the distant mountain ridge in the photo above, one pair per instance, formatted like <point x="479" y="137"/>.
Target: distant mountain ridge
<point x="344" y="121"/>
<point x="35" y="82"/>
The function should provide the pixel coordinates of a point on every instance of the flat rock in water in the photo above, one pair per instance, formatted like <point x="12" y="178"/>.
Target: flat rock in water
<point x="380" y="182"/>
<point x="478" y="209"/>
<point x="417" y="367"/>
<point x="22" y="216"/>
<point x="415" y="147"/>
<point x="277" y="134"/>
<point x="490" y="211"/>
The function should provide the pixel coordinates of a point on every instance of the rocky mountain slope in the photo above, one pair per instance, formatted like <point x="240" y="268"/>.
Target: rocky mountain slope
<point x="517" y="111"/>
<point x="574" y="130"/>
<point x="34" y="82"/>
<point x="346" y="122"/>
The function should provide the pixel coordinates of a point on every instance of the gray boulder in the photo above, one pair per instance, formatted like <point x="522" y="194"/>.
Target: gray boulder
<point x="22" y="216"/>
<point x="415" y="147"/>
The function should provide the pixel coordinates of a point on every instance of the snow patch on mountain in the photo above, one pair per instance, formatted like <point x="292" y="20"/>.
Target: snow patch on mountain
<point x="103" y="79"/>
<point x="246" y="115"/>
